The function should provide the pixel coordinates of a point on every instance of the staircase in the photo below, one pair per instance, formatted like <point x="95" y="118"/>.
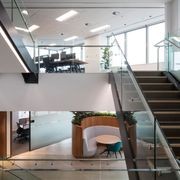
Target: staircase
<point x="164" y="100"/>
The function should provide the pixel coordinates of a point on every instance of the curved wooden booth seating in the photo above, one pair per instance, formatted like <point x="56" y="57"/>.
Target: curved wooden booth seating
<point x="90" y="127"/>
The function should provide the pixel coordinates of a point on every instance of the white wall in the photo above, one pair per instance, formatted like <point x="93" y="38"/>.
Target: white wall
<point x="56" y="92"/>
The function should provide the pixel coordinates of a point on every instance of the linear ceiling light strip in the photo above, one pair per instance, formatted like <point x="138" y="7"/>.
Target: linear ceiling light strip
<point x="13" y="49"/>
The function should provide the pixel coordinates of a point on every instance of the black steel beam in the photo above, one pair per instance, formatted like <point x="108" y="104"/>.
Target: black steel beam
<point x="31" y="77"/>
<point x="128" y="151"/>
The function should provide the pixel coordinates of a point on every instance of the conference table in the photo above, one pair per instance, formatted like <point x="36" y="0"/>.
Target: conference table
<point x="74" y="65"/>
<point x="107" y="140"/>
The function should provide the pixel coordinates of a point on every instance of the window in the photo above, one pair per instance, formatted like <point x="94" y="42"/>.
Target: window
<point x="136" y="46"/>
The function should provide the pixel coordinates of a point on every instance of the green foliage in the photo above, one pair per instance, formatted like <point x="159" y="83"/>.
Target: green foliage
<point x="106" y="57"/>
<point x="80" y="115"/>
<point x="129" y="118"/>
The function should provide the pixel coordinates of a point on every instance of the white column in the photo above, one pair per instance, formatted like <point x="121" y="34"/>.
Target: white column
<point x="93" y="54"/>
<point x="172" y="17"/>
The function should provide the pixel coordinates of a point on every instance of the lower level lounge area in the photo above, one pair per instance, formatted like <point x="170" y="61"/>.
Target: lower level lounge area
<point x="56" y="161"/>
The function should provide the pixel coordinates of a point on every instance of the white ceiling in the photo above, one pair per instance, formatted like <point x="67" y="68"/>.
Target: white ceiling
<point x="132" y="14"/>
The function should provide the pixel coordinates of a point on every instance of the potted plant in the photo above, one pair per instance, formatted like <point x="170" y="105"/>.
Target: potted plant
<point x="130" y="122"/>
<point x="106" y="54"/>
<point x="80" y="115"/>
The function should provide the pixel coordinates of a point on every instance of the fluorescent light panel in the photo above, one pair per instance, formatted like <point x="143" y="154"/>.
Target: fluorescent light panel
<point x="71" y="38"/>
<point x="100" y="28"/>
<point x="13" y="49"/>
<point x="31" y="28"/>
<point x="67" y="15"/>
<point x="52" y="44"/>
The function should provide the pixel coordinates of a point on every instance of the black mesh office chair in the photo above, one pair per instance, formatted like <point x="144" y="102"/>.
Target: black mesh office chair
<point x="22" y="134"/>
<point x="48" y="65"/>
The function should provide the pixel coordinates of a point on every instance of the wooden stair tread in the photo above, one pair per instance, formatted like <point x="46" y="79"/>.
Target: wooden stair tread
<point x="155" y="77"/>
<point x="173" y="137"/>
<point x="161" y="91"/>
<point x="170" y="126"/>
<point x="167" y="112"/>
<point x="175" y="144"/>
<point x="166" y="83"/>
<point x="166" y="100"/>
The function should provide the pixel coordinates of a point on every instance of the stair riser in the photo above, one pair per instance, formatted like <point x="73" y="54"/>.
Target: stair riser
<point x="162" y="95"/>
<point x="176" y="151"/>
<point x="165" y="106"/>
<point x="171" y="132"/>
<point x="166" y="117"/>
<point x="174" y="141"/>
<point x="150" y="87"/>
<point x="152" y="80"/>
<point x="148" y="73"/>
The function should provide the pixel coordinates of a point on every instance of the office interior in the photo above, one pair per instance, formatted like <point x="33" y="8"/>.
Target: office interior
<point x="132" y="65"/>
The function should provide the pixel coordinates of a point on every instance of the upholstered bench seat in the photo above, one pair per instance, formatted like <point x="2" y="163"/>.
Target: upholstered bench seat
<point x="90" y="134"/>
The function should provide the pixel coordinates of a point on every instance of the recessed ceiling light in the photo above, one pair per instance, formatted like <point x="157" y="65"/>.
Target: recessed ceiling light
<point x="115" y="13"/>
<point x="71" y="38"/>
<point x="100" y="28"/>
<point x="31" y="28"/>
<point x="67" y="15"/>
<point x="25" y="12"/>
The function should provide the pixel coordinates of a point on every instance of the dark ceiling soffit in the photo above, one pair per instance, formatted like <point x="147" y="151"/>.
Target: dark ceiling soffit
<point x="32" y="78"/>
<point x="16" y="40"/>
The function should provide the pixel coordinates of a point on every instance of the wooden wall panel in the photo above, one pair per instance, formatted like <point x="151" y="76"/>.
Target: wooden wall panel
<point x="99" y="121"/>
<point x="77" y="131"/>
<point x="3" y="132"/>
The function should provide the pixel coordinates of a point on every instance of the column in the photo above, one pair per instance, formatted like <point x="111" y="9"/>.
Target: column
<point x="93" y="54"/>
<point x="172" y="18"/>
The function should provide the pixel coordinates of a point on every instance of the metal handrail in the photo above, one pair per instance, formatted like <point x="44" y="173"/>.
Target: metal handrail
<point x="165" y="45"/>
<point x="169" y="41"/>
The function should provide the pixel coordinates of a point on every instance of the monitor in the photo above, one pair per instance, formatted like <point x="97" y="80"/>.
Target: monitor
<point x="71" y="56"/>
<point x="63" y="55"/>
<point x="55" y="56"/>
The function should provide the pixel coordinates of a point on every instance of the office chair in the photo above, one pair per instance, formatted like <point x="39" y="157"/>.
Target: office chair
<point x="22" y="134"/>
<point x="48" y="65"/>
<point x="117" y="147"/>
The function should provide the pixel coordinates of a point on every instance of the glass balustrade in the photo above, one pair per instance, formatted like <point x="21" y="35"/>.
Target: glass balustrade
<point x="19" y="16"/>
<point x="151" y="150"/>
<point x="73" y="58"/>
